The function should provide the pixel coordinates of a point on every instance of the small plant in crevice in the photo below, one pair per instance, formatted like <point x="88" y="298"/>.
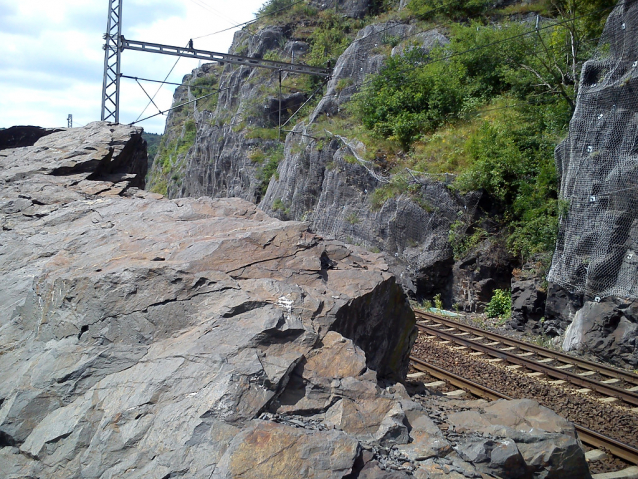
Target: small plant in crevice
<point x="438" y="302"/>
<point x="500" y="306"/>
<point x="353" y="219"/>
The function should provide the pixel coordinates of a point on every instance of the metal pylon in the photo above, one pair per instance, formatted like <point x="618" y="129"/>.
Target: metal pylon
<point x="112" y="53"/>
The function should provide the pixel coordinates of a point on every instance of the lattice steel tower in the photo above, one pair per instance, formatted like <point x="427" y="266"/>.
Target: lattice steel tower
<point x="112" y="53"/>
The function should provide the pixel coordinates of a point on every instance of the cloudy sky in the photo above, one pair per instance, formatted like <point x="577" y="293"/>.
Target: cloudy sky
<point x="52" y="59"/>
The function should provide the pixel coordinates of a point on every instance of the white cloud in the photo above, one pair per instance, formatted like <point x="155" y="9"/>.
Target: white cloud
<point x="52" y="61"/>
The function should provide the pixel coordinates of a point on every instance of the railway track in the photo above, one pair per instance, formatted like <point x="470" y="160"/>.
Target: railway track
<point x="587" y="436"/>
<point x="614" y="384"/>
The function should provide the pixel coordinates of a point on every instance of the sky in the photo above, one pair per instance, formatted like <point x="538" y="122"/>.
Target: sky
<point x="52" y="62"/>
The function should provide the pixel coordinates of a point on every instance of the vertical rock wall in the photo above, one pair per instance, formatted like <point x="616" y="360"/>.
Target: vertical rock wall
<point x="596" y="255"/>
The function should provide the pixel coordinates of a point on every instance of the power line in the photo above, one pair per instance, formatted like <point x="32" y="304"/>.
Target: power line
<point x="202" y="4"/>
<point x="158" y="90"/>
<point x="178" y="106"/>
<point x="250" y="22"/>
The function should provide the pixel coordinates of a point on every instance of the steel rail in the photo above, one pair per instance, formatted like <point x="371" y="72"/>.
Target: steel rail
<point x="606" y="389"/>
<point x="583" y="363"/>
<point x="589" y="437"/>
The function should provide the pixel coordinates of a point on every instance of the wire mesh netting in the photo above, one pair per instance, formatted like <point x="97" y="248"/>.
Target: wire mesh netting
<point x="597" y="248"/>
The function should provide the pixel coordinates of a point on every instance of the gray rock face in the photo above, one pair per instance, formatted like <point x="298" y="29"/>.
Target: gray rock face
<point x="534" y="441"/>
<point x="596" y="250"/>
<point x="136" y="326"/>
<point x="529" y="295"/>
<point x="361" y="59"/>
<point x="607" y="329"/>
<point x="333" y="194"/>
<point x="350" y="8"/>
<point x="21" y="136"/>
<point x="595" y="257"/>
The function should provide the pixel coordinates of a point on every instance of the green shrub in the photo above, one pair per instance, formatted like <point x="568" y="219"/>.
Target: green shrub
<point x="463" y="242"/>
<point x="278" y="205"/>
<point x="500" y="306"/>
<point x="427" y="9"/>
<point x="274" y="6"/>
<point x="273" y="155"/>
<point x="353" y="219"/>
<point x="438" y="302"/>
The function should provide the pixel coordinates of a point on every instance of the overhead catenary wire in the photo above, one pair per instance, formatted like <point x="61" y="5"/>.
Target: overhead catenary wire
<point x="202" y="4"/>
<point x="178" y="106"/>
<point x="158" y="90"/>
<point x="251" y="21"/>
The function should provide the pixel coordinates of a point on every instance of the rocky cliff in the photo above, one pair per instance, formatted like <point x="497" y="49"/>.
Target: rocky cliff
<point x="321" y="172"/>
<point x="200" y="338"/>
<point x="595" y="258"/>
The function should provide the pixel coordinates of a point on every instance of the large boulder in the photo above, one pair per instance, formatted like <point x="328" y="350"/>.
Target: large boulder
<point x="144" y="337"/>
<point x="607" y="329"/>
<point x="532" y="441"/>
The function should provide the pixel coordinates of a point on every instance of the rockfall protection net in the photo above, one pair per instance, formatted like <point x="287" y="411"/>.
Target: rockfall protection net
<point x="597" y="248"/>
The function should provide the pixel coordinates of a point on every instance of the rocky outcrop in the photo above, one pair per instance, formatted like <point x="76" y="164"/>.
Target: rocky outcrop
<point x="595" y="257"/>
<point x="200" y="338"/>
<point x="519" y="451"/>
<point x="596" y="250"/>
<point x="350" y="8"/>
<point x="529" y="295"/>
<point x="608" y="329"/>
<point x="21" y="136"/>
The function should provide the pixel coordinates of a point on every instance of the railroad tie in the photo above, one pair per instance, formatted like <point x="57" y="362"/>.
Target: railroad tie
<point x="456" y="394"/>
<point x="629" y="473"/>
<point x="557" y="382"/>
<point x="565" y="366"/>
<point x="584" y="390"/>
<point x="462" y="334"/>
<point x="415" y="376"/>
<point x="524" y="355"/>
<point x="493" y="344"/>
<point x="510" y="348"/>
<point x="535" y="375"/>
<point x="610" y="381"/>
<point x="595" y="455"/>
<point x="514" y="367"/>
<point x="546" y="360"/>
<point x="608" y="400"/>
<point x="435" y="384"/>
<point x="477" y="353"/>
<point x="587" y="373"/>
<point x="633" y="390"/>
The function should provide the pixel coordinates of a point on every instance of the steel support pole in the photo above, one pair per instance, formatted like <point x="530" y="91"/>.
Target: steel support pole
<point x="112" y="55"/>
<point x="279" y="105"/>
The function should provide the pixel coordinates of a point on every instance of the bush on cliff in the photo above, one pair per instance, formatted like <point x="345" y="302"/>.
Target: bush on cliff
<point x="490" y="106"/>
